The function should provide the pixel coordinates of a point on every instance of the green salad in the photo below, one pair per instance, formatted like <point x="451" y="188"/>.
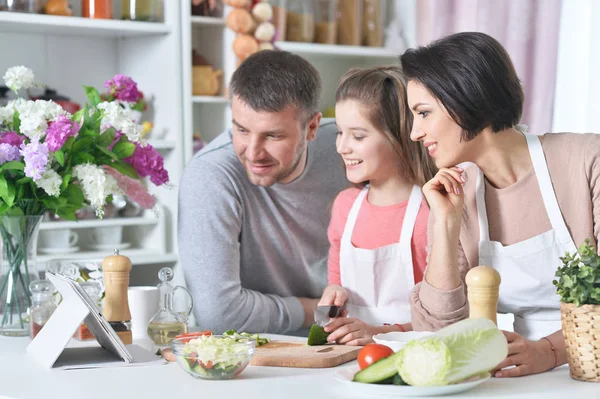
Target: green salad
<point x="213" y="356"/>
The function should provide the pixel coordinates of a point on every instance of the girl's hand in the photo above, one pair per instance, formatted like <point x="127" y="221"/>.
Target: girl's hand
<point x="444" y="193"/>
<point x="333" y="294"/>
<point x="350" y="331"/>
<point x="529" y="357"/>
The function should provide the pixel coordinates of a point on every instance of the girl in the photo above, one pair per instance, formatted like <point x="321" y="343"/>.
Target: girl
<point x="378" y="229"/>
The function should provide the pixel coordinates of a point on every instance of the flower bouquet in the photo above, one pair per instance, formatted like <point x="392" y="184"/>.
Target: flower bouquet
<point x="53" y="161"/>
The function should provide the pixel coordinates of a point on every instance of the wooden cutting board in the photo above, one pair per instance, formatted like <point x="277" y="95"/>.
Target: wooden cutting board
<point x="298" y="354"/>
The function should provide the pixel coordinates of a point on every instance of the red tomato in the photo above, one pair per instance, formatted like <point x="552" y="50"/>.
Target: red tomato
<point x="192" y="335"/>
<point x="371" y="353"/>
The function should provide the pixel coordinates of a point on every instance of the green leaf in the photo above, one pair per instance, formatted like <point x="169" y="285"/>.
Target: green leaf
<point x="60" y="157"/>
<point x="78" y="115"/>
<point x="83" y="144"/>
<point x="106" y="138"/>
<point x="12" y="165"/>
<point x="74" y="195"/>
<point x="65" y="182"/>
<point x="4" y="194"/>
<point x="107" y="152"/>
<point x="579" y="278"/>
<point x="124" y="150"/>
<point x="82" y="157"/>
<point x="93" y="95"/>
<point x="125" y="169"/>
<point x="16" y="122"/>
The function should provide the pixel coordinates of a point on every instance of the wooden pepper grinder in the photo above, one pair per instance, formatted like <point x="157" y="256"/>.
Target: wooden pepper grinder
<point x="483" y="283"/>
<point x="116" y="270"/>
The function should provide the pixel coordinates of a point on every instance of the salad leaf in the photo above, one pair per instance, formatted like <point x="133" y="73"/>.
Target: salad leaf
<point x="454" y="353"/>
<point x="259" y="341"/>
<point x="579" y="278"/>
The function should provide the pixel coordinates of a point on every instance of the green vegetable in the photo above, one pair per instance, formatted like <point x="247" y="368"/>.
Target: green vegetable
<point x="398" y="380"/>
<point x="379" y="371"/>
<point x="259" y="341"/>
<point x="317" y="335"/>
<point x="216" y="352"/>
<point x="459" y="351"/>
<point x="579" y="279"/>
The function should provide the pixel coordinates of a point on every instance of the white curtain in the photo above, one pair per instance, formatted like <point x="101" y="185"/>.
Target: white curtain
<point x="577" y="104"/>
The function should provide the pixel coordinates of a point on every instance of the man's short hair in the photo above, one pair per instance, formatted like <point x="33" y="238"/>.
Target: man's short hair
<point x="270" y="80"/>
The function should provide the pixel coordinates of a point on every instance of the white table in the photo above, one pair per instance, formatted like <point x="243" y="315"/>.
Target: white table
<point x="21" y="377"/>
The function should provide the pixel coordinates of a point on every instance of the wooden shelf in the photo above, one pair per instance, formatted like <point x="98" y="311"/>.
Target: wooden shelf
<point x="90" y="223"/>
<point x="77" y="26"/>
<point x="207" y="21"/>
<point x="210" y="100"/>
<point x="138" y="256"/>
<point x="335" y="50"/>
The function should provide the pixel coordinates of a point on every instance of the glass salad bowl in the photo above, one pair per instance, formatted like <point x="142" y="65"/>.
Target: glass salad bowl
<point x="213" y="357"/>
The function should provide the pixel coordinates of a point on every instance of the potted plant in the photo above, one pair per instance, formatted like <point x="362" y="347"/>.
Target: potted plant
<point x="51" y="160"/>
<point x="578" y="285"/>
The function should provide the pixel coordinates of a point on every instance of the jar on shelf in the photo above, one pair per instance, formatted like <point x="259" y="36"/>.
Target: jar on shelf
<point x="42" y="305"/>
<point x="31" y="6"/>
<point x="97" y="9"/>
<point x="373" y="23"/>
<point x="350" y="22"/>
<point x="142" y="10"/>
<point x="279" y="18"/>
<point x="94" y="290"/>
<point x="326" y="21"/>
<point x="300" y="21"/>
<point x="207" y="8"/>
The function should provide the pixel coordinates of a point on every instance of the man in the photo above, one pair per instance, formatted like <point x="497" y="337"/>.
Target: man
<point x="254" y="204"/>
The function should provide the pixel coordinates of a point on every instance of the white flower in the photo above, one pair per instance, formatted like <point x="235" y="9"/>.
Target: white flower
<point x="121" y="120"/>
<point x="35" y="116"/>
<point x="50" y="182"/>
<point x="7" y="112"/>
<point x="96" y="185"/>
<point x="19" y="77"/>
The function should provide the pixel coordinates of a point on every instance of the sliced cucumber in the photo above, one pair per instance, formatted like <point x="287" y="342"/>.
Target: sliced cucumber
<point x="397" y="380"/>
<point x="379" y="371"/>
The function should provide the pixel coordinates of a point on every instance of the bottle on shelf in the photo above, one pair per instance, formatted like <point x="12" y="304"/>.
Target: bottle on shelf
<point x="142" y="10"/>
<point x="29" y="6"/>
<point x="279" y="19"/>
<point x="166" y="324"/>
<point x="372" y="23"/>
<point x="97" y="9"/>
<point x="42" y="305"/>
<point x="326" y="21"/>
<point x="300" y="24"/>
<point x="350" y="13"/>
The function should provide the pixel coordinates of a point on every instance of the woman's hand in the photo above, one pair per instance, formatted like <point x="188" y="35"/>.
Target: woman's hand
<point x="350" y="331"/>
<point x="529" y="357"/>
<point x="444" y="193"/>
<point x="333" y="294"/>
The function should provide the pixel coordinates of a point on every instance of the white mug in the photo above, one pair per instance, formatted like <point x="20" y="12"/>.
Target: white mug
<point x="143" y="304"/>
<point x="60" y="238"/>
<point x="109" y="235"/>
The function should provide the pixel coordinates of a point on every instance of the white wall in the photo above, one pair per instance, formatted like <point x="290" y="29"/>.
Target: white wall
<point x="577" y="100"/>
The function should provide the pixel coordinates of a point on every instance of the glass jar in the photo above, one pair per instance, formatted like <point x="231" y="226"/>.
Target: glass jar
<point x="31" y="6"/>
<point x="279" y="19"/>
<point x="42" y="305"/>
<point x="326" y="21"/>
<point x="373" y="23"/>
<point x="300" y="21"/>
<point x="142" y="10"/>
<point x="97" y="9"/>
<point x="350" y="22"/>
<point x="93" y="289"/>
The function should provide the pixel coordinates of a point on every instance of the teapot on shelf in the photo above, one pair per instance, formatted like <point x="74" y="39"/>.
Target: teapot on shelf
<point x="205" y="80"/>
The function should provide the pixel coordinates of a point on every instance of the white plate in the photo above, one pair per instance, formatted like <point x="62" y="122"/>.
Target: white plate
<point x="346" y="375"/>
<point x="58" y="251"/>
<point x="108" y="247"/>
<point x="396" y="339"/>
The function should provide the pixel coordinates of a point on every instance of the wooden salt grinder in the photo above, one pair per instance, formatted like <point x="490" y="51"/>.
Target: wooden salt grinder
<point x="483" y="283"/>
<point x="116" y="270"/>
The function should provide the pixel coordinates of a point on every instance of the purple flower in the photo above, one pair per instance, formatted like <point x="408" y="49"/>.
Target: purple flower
<point x="35" y="155"/>
<point x="59" y="131"/>
<point x="148" y="162"/>
<point x="8" y="153"/>
<point x="12" y="138"/>
<point x="123" y="88"/>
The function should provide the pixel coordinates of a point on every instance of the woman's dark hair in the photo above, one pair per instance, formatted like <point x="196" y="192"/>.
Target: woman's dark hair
<point x="473" y="77"/>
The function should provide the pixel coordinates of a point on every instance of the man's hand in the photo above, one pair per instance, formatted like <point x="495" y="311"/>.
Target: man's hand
<point x="309" y="305"/>
<point x="529" y="357"/>
<point x="333" y="294"/>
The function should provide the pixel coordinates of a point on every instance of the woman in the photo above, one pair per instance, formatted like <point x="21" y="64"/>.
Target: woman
<point x="530" y="199"/>
<point x="378" y="231"/>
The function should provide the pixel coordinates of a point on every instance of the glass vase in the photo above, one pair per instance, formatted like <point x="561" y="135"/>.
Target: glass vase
<point x="18" y="245"/>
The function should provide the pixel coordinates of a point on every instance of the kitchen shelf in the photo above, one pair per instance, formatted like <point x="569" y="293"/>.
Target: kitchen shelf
<point x="336" y="50"/>
<point x="77" y="26"/>
<point x="210" y="100"/>
<point x="85" y="224"/>
<point x="207" y="21"/>
<point x="138" y="256"/>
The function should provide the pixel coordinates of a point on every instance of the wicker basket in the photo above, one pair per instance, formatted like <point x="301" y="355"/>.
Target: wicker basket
<point x="581" y="328"/>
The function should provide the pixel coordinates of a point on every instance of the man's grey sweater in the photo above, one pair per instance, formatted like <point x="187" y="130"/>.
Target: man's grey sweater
<point x="247" y="251"/>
